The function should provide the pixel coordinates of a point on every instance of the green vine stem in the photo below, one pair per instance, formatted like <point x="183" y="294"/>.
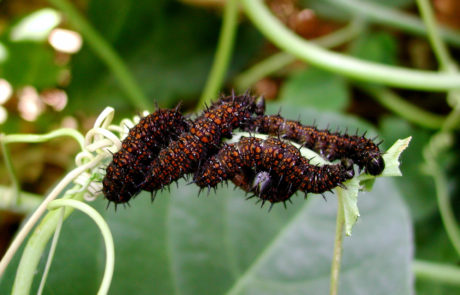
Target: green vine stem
<point x="447" y="214"/>
<point x="223" y="53"/>
<point x="12" y="199"/>
<point x="37" y="138"/>
<point x="30" y="138"/>
<point x="337" y="257"/>
<point x="105" y="52"/>
<point x="448" y="274"/>
<point x="401" y="107"/>
<point x="99" y="143"/>
<point x="263" y="69"/>
<point x="51" y="252"/>
<point x="41" y="209"/>
<point x="54" y="193"/>
<point x="443" y="139"/>
<point x="439" y="48"/>
<point x="106" y="234"/>
<point x="280" y="60"/>
<point x="437" y="145"/>
<point x="26" y="203"/>
<point x="384" y="15"/>
<point x="349" y="66"/>
<point x="35" y="248"/>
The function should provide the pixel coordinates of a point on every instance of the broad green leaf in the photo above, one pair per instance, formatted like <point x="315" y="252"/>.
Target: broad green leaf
<point x="181" y="243"/>
<point x="317" y="89"/>
<point x="380" y="47"/>
<point x="30" y="63"/>
<point x="168" y="46"/>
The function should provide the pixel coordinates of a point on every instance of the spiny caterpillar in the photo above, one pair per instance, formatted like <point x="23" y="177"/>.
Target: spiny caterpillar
<point x="184" y="155"/>
<point x="332" y="146"/>
<point x="285" y="170"/>
<point x="131" y="164"/>
<point x="164" y="147"/>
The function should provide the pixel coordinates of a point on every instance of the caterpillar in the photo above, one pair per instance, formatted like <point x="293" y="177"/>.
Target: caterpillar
<point x="131" y="164"/>
<point x="364" y="152"/>
<point x="184" y="155"/>
<point x="284" y="169"/>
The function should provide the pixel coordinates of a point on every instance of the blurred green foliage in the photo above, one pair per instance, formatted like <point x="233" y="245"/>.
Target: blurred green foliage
<point x="169" y="48"/>
<point x="210" y="245"/>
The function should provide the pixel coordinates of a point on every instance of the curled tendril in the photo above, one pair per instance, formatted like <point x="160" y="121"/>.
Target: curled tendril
<point x="98" y="146"/>
<point x="103" y="139"/>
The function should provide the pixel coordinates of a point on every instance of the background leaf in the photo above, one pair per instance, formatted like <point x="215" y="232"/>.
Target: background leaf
<point x="169" y="48"/>
<point x="316" y="88"/>
<point x="418" y="188"/>
<point x="30" y="63"/>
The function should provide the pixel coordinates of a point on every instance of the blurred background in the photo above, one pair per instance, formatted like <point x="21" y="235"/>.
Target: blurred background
<point x="52" y="77"/>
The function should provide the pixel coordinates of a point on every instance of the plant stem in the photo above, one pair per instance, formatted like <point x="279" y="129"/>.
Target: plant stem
<point x="384" y="15"/>
<point x="223" y="53"/>
<point x="36" y="138"/>
<point x="106" y="234"/>
<point x="279" y="60"/>
<point x="441" y="183"/>
<point x="35" y="248"/>
<point x="352" y="67"/>
<point x="404" y="109"/>
<point x="51" y="252"/>
<point x="438" y="46"/>
<point x="443" y="273"/>
<point x="27" y="202"/>
<point x="14" y="197"/>
<point x="263" y="69"/>
<point x="40" y="210"/>
<point x="335" y="267"/>
<point x="445" y="209"/>
<point x="105" y="52"/>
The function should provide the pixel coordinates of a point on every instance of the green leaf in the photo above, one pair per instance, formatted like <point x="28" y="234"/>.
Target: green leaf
<point x="350" y="204"/>
<point x="168" y="46"/>
<point x="391" y="157"/>
<point x="380" y="47"/>
<point x="30" y="63"/>
<point x="350" y="195"/>
<point x="316" y="88"/>
<point x="180" y="243"/>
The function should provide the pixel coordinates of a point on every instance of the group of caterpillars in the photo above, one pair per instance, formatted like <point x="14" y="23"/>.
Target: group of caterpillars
<point x="165" y="146"/>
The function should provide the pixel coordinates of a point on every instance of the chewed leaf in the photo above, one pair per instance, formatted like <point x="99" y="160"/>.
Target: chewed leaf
<point x="366" y="181"/>
<point x="391" y="157"/>
<point x="350" y="203"/>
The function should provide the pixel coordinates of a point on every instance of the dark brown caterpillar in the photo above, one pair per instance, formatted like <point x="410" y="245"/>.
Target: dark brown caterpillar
<point x="130" y="165"/>
<point x="288" y="170"/>
<point x="332" y="146"/>
<point x="185" y="154"/>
